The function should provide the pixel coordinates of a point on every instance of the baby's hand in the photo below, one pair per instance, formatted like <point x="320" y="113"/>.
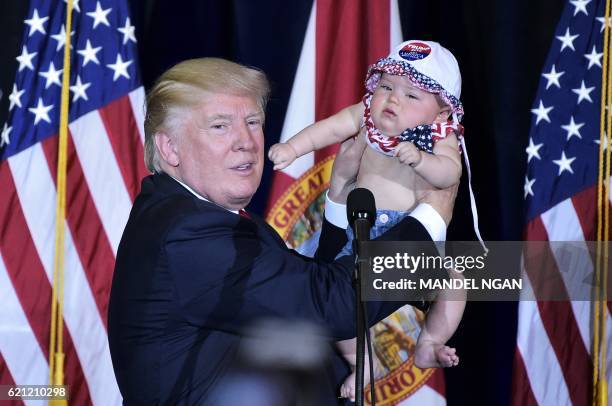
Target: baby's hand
<point x="408" y="154"/>
<point x="282" y="155"/>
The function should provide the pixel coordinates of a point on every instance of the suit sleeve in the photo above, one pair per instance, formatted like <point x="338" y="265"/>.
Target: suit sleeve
<point x="331" y="241"/>
<point x="228" y="274"/>
<point x="333" y="238"/>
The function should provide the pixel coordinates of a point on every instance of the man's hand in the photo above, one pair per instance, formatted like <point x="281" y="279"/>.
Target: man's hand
<point x="443" y="200"/>
<point x="346" y="167"/>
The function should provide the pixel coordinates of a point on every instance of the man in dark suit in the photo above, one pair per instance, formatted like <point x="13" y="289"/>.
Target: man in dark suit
<point x="192" y="268"/>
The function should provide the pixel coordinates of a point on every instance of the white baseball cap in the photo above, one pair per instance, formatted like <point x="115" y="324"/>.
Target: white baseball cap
<point x="428" y="65"/>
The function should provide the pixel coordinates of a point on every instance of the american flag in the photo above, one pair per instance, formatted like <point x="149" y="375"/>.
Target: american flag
<point x="105" y="165"/>
<point x="553" y="360"/>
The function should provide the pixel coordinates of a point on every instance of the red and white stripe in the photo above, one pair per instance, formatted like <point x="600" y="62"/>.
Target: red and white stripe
<point x="553" y="362"/>
<point x="18" y="344"/>
<point x="105" y="166"/>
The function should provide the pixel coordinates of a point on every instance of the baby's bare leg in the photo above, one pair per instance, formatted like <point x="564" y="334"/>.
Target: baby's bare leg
<point x="441" y="322"/>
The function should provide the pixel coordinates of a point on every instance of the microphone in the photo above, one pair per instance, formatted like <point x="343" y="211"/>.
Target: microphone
<point x="361" y="212"/>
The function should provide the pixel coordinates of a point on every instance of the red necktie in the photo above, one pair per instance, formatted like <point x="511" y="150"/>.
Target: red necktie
<point x="244" y="214"/>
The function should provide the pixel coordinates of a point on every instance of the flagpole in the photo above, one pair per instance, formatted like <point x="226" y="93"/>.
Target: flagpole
<point x="600" y="390"/>
<point x="605" y="147"/>
<point x="56" y="351"/>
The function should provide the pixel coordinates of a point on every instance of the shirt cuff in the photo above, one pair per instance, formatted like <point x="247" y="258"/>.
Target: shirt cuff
<point x="335" y="213"/>
<point x="431" y="220"/>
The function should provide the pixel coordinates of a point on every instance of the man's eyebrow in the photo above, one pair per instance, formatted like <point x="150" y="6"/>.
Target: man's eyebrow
<point x="257" y="114"/>
<point x="220" y="117"/>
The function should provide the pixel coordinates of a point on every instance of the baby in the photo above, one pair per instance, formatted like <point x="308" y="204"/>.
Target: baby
<point x="410" y="120"/>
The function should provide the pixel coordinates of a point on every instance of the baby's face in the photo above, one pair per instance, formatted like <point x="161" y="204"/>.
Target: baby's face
<point x="397" y="105"/>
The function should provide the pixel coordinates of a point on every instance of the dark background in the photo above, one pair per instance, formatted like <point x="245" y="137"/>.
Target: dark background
<point x="501" y="47"/>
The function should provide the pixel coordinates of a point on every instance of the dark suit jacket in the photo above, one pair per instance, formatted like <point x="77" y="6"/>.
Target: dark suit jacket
<point x="191" y="275"/>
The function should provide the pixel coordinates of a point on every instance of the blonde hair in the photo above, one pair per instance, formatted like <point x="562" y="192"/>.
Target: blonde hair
<point x="182" y="86"/>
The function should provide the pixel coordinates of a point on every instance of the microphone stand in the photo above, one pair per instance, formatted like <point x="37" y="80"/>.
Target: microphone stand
<point x="361" y="212"/>
<point x="361" y="227"/>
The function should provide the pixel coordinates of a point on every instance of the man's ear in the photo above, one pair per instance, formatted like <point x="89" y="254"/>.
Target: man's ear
<point x="166" y="145"/>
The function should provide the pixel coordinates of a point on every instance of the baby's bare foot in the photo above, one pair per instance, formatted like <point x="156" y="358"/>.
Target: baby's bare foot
<point x="446" y="356"/>
<point x="432" y="355"/>
<point x="347" y="390"/>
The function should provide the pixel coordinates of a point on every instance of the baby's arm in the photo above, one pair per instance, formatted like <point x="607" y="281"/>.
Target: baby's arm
<point x="440" y="324"/>
<point x="321" y="134"/>
<point x="442" y="168"/>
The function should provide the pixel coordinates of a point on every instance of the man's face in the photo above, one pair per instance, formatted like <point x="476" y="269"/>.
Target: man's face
<point x="220" y="149"/>
<point x="397" y="105"/>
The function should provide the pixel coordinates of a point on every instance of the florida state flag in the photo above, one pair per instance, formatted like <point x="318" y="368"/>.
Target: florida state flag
<point x="341" y="40"/>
